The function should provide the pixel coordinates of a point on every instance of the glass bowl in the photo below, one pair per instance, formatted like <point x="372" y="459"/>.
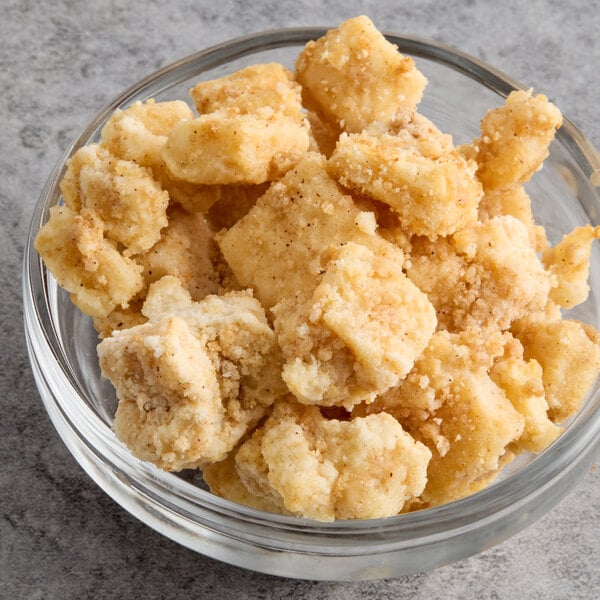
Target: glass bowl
<point x="62" y="348"/>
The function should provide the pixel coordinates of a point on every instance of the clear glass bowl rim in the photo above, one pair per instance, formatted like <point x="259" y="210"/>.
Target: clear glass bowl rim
<point x="198" y="510"/>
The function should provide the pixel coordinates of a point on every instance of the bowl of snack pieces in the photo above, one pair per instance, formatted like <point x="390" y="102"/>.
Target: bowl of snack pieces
<point x="321" y="303"/>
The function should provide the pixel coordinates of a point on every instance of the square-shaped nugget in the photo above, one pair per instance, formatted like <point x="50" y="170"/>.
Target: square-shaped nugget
<point x="224" y="148"/>
<point x="257" y="90"/>
<point x="278" y="247"/>
<point x="357" y="77"/>
<point x="358" y="335"/>
<point x="86" y="264"/>
<point x="416" y="171"/>
<point x="170" y="409"/>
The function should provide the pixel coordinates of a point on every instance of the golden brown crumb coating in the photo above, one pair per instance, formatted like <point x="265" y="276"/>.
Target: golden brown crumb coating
<point x="329" y="469"/>
<point x="85" y="263"/>
<point x="416" y="171"/>
<point x="515" y="138"/>
<point x="357" y="77"/>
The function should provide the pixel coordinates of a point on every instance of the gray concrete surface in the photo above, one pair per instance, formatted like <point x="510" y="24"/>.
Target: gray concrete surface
<point x="60" y="535"/>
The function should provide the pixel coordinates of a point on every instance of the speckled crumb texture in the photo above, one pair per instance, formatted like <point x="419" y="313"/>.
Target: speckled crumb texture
<point x="60" y="535"/>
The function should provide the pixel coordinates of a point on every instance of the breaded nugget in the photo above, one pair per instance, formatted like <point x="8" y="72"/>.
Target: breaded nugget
<point x="131" y="204"/>
<point x="416" y="171"/>
<point x="422" y="391"/>
<point x="185" y="250"/>
<point x="513" y="201"/>
<point x="515" y="138"/>
<point x="480" y="424"/>
<point x="356" y="76"/>
<point x="512" y="279"/>
<point x="140" y="131"/>
<point x="279" y="247"/>
<point x="170" y="411"/>
<point x="569" y="354"/>
<point x="486" y="275"/>
<point x="359" y="333"/>
<point x="268" y="95"/>
<point x="193" y="379"/>
<point x="223" y="148"/>
<point x="85" y="263"/>
<point x="260" y="90"/>
<point x="239" y="340"/>
<point x="223" y="480"/>
<point x="522" y="382"/>
<point x="329" y="469"/>
<point x="569" y="262"/>
<point x="450" y="403"/>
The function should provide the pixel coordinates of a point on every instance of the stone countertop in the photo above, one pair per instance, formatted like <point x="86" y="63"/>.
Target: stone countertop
<point x="60" y="535"/>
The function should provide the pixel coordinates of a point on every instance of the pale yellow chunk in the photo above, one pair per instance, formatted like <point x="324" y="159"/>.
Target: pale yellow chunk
<point x="279" y="247"/>
<point x="131" y="204"/>
<point x="515" y="202"/>
<point x="512" y="278"/>
<point x="140" y="131"/>
<point x="223" y="480"/>
<point x="569" y="261"/>
<point x="330" y="469"/>
<point x="170" y="411"/>
<point x="193" y="197"/>
<point x="268" y="95"/>
<point x="417" y="172"/>
<point x="86" y="264"/>
<point x="239" y="340"/>
<point x="486" y="275"/>
<point x="360" y="332"/>
<point x="379" y="314"/>
<point x="522" y="382"/>
<point x="193" y="379"/>
<point x="436" y="370"/>
<point x="261" y="90"/>
<point x="357" y="77"/>
<point x="515" y="138"/>
<point x="451" y="404"/>
<point x="120" y="318"/>
<point x="569" y="354"/>
<point x="479" y="423"/>
<point x="222" y="148"/>
<point x="185" y="250"/>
